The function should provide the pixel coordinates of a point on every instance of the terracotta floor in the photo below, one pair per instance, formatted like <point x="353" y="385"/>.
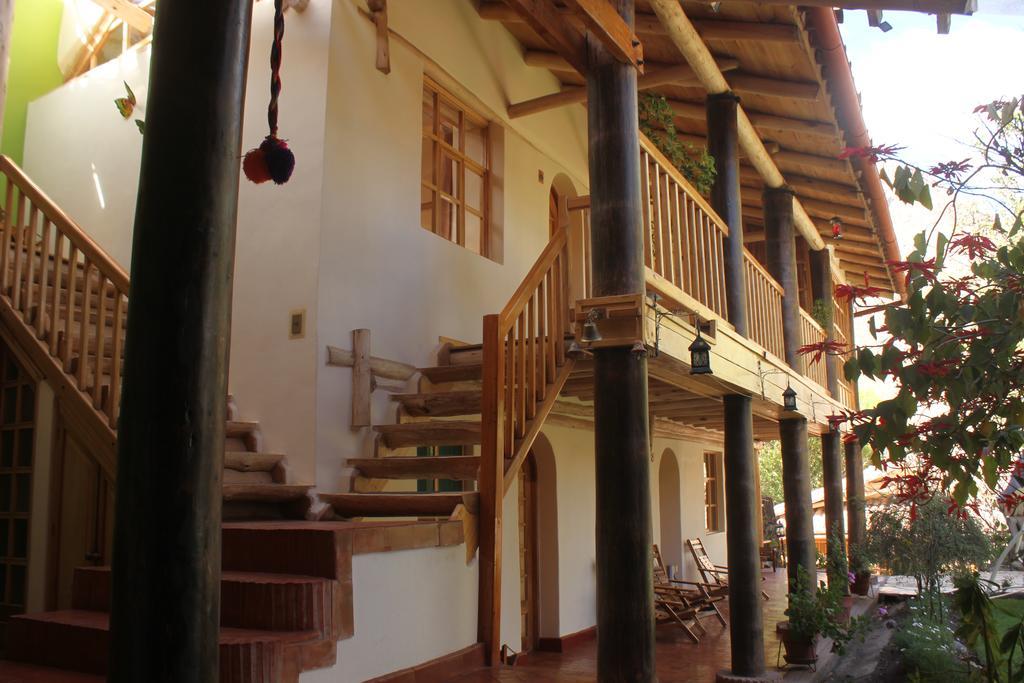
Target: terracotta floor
<point x="678" y="658"/>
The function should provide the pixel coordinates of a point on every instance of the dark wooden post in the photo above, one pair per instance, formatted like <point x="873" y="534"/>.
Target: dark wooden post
<point x="167" y="548"/>
<point x="855" y="497"/>
<point x="796" y="490"/>
<point x="723" y="145"/>
<point x="821" y="291"/>
<point x="780" y="248"/>
<point x="743" y="538"/>
<point x="832" y="476"/>
<point x="625" y="598"/>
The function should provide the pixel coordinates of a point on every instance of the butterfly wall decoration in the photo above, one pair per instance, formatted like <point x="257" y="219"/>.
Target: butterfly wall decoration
<point x="126" y="107"/>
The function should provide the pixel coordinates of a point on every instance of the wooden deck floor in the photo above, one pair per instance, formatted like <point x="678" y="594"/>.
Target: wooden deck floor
<point x="678" y="658"/>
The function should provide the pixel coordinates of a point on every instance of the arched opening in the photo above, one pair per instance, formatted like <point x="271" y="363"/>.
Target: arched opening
<point x="538" y="545"/>
<point x="669" y="510"/>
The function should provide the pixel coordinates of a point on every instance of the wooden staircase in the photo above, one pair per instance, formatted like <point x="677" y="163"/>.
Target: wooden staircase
<point x="66" y="301"/>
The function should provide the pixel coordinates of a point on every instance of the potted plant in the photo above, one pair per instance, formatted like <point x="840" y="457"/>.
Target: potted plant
<point x="860" y="571"/>
<point x="812" y="615"/>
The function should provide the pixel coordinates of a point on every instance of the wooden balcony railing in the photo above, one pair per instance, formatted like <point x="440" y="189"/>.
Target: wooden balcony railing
<point x="842" y="332"/>
<point x="67" y="290"/>
<point x="684" y="236"/>
<point x="764" y="307"/>
<point x="812" y="333"/>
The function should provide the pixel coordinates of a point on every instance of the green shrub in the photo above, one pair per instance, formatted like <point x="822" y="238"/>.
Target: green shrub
<point x="928" y="644"/>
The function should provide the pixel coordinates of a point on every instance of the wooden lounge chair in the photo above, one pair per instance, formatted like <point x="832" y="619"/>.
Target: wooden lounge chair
<point x="714" y="574"/>
<point x="700" y="597"/>
<point x="670" y="606"/>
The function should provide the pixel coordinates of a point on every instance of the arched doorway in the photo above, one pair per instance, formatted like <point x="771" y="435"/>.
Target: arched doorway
<point x="669" y="510"/>
<point x="538" y="546"/>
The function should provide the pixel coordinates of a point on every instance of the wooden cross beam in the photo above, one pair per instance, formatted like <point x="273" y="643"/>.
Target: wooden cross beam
<point x="555" y="28"/>
<point x="923" y="6"/>
<point x="366" y="371"/>
<point x="131" y="14"/>
<point x="603" y="21"/>
<point x="379" y="14"/>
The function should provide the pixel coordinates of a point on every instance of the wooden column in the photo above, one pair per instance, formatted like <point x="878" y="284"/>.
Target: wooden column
<point x="796" y="489"/>
<point x="625" y="602"/>
<point x="780" y="248"/>
<point x="723" y="145"/>
<point x="743" y="538"/>
<point x="855" y="496"/>
<point x="821" y="290"/>
<point x="167" y="548"/>
<point x="832" y="476"/>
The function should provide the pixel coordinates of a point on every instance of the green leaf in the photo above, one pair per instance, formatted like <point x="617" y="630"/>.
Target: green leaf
<point x="925" y="198"/>
<point x="851" y="370"/>
<point x="1017" y="223"/>
<point x="867" y="363"/>
<point x="940" y="249"/>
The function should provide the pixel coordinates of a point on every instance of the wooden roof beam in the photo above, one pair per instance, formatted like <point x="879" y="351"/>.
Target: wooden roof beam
<point x="678" y="74"/>
<point x="765" y="122"/>
<point x="129" y="13"/>
<point x="812" y="187"/>
<point x="601" y="20"/>
<point x="647" y="24"/>
<point x="922" y="6"/>
<point x="684" y="36"/>
<point x="555" y="28"/>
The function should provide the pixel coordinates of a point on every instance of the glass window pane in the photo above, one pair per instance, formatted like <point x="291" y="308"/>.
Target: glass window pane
<point x="474" y="233"/>
<point x="428" y="111"/>
<point x="427" y="207"/>
<point x="20" y="546"/>
<point x="451" y="127"/>
<point x="476" y="142"/>
<point x="427" y="161"/>
<point x="6" y="447"/>
<point x="447" y="219"/>
<point x="10" y="404"/>
<point x="474" y="190"/>
<point x="451" y="172"/>
<point x="5" y="493"/>
<point x="28" y="402"/>
<point x="4" y="531"/>
<point x="25" y="447"/>
<point x="3" y="583"/>
<point x="23" y="492"/>
<point x="17" y="595"/>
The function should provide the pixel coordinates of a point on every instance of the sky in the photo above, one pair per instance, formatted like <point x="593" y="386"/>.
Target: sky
<point x="918" y="89"/>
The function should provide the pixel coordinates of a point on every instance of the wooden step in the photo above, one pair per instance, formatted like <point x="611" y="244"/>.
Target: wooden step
<point x="250" y="600"/>
<point x="437" y="433"/>
<point x="265" y="492"/>
<point x="453" y="373"/>
<point x="79" y="640"/>
<point x="440" y="403"/>
<point x="398" y="504"/>
<point x="246" y="431"/>
<point x="244" y="461"/>
<point x="459" y="467"/>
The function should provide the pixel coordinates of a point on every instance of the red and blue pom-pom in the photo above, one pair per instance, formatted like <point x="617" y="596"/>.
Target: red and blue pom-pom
<point x="272" y="160"/>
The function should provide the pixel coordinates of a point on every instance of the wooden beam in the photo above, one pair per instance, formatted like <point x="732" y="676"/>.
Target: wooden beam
<point x="647" y="24"/>
<point x="875" y="18"/>
<point x="943" y="22"/>
<point x="812" y="187"/>
<point x="923" y="6"/>
<point x="679" y="74"/>
<point x="380" y="366"/>
<point x="556" y="30"/>
<point x="601" y="20"/>
<point x="774" y="87"/>
<point x="131" y="14"/>
<point x="789" y="157"/>
<point x="362" y="379"/>
<point x="552" y="60"/>
<point x="765" y="122"/>
<point x="379" y="14"/>
<point x="826" y="209"/>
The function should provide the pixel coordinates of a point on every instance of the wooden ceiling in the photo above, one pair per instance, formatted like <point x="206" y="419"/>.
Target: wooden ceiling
<point x="768" y="60"/>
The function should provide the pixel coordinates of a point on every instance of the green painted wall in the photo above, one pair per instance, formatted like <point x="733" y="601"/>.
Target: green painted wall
<point x="33" y="70"/>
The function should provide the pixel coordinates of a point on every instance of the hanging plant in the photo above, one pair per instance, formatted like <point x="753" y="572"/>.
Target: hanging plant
<point x="657" y="122"/>
<point x="821" y="311"/>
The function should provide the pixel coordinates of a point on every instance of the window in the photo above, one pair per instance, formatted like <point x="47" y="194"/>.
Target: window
<point x="17" y="437"/>
<point x="455" y="171"/>
<point x="712" y="491"/>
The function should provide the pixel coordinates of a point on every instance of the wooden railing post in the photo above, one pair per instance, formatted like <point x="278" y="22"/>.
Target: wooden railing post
<point x="492" y="485"/>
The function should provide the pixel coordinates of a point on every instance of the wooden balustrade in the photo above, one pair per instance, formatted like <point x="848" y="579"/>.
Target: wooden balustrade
<point x="842" y="332"/>
<point x="812" y="333"/>
<point x="764" y="306"/>
<point x="69" y="292"/>
<point x="683" y="236"/>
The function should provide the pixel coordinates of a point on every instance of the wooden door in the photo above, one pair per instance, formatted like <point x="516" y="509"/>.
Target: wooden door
<point x="528" y="579"/>
<point x="85" y="515"/>
<point x="17" y="445"/>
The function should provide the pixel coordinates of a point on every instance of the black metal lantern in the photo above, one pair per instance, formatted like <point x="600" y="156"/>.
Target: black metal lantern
<point x="789" y="399"/>
<point x="700" y="356"/>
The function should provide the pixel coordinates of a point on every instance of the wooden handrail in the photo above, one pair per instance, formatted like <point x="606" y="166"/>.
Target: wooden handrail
<point x="756" y="265"/>
<point x="533" y="278"/>
<point x="647" y="145"/>
<point x="764" y="306"/>
<point x="71" y="230"/>
<point x="70" y="295"/>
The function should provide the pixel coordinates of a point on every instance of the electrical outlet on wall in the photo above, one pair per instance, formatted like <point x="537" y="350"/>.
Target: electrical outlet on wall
<point x="297" y="324"/>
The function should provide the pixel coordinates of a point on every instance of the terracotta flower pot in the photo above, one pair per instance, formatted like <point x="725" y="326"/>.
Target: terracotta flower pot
<point x="800" y="650"/>
<point x="861" y="584"/>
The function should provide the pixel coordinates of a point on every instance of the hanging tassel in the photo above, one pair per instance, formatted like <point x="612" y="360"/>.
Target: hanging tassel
<point x="272" y="160"/>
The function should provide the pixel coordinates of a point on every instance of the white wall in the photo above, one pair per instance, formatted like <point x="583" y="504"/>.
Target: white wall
<point x="86" y="157"/>
<point x="380" y="269"/>
<point x="410" y="606"/>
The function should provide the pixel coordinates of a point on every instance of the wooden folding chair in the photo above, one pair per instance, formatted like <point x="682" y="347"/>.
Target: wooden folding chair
<point x="705" y="596"/>
<point x="671" y="606"/>
<point x="714" y="574"/>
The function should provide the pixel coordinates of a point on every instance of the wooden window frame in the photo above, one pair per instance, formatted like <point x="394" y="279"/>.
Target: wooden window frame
<point x="441" y="148"/>
<point x="713" y="492"/>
